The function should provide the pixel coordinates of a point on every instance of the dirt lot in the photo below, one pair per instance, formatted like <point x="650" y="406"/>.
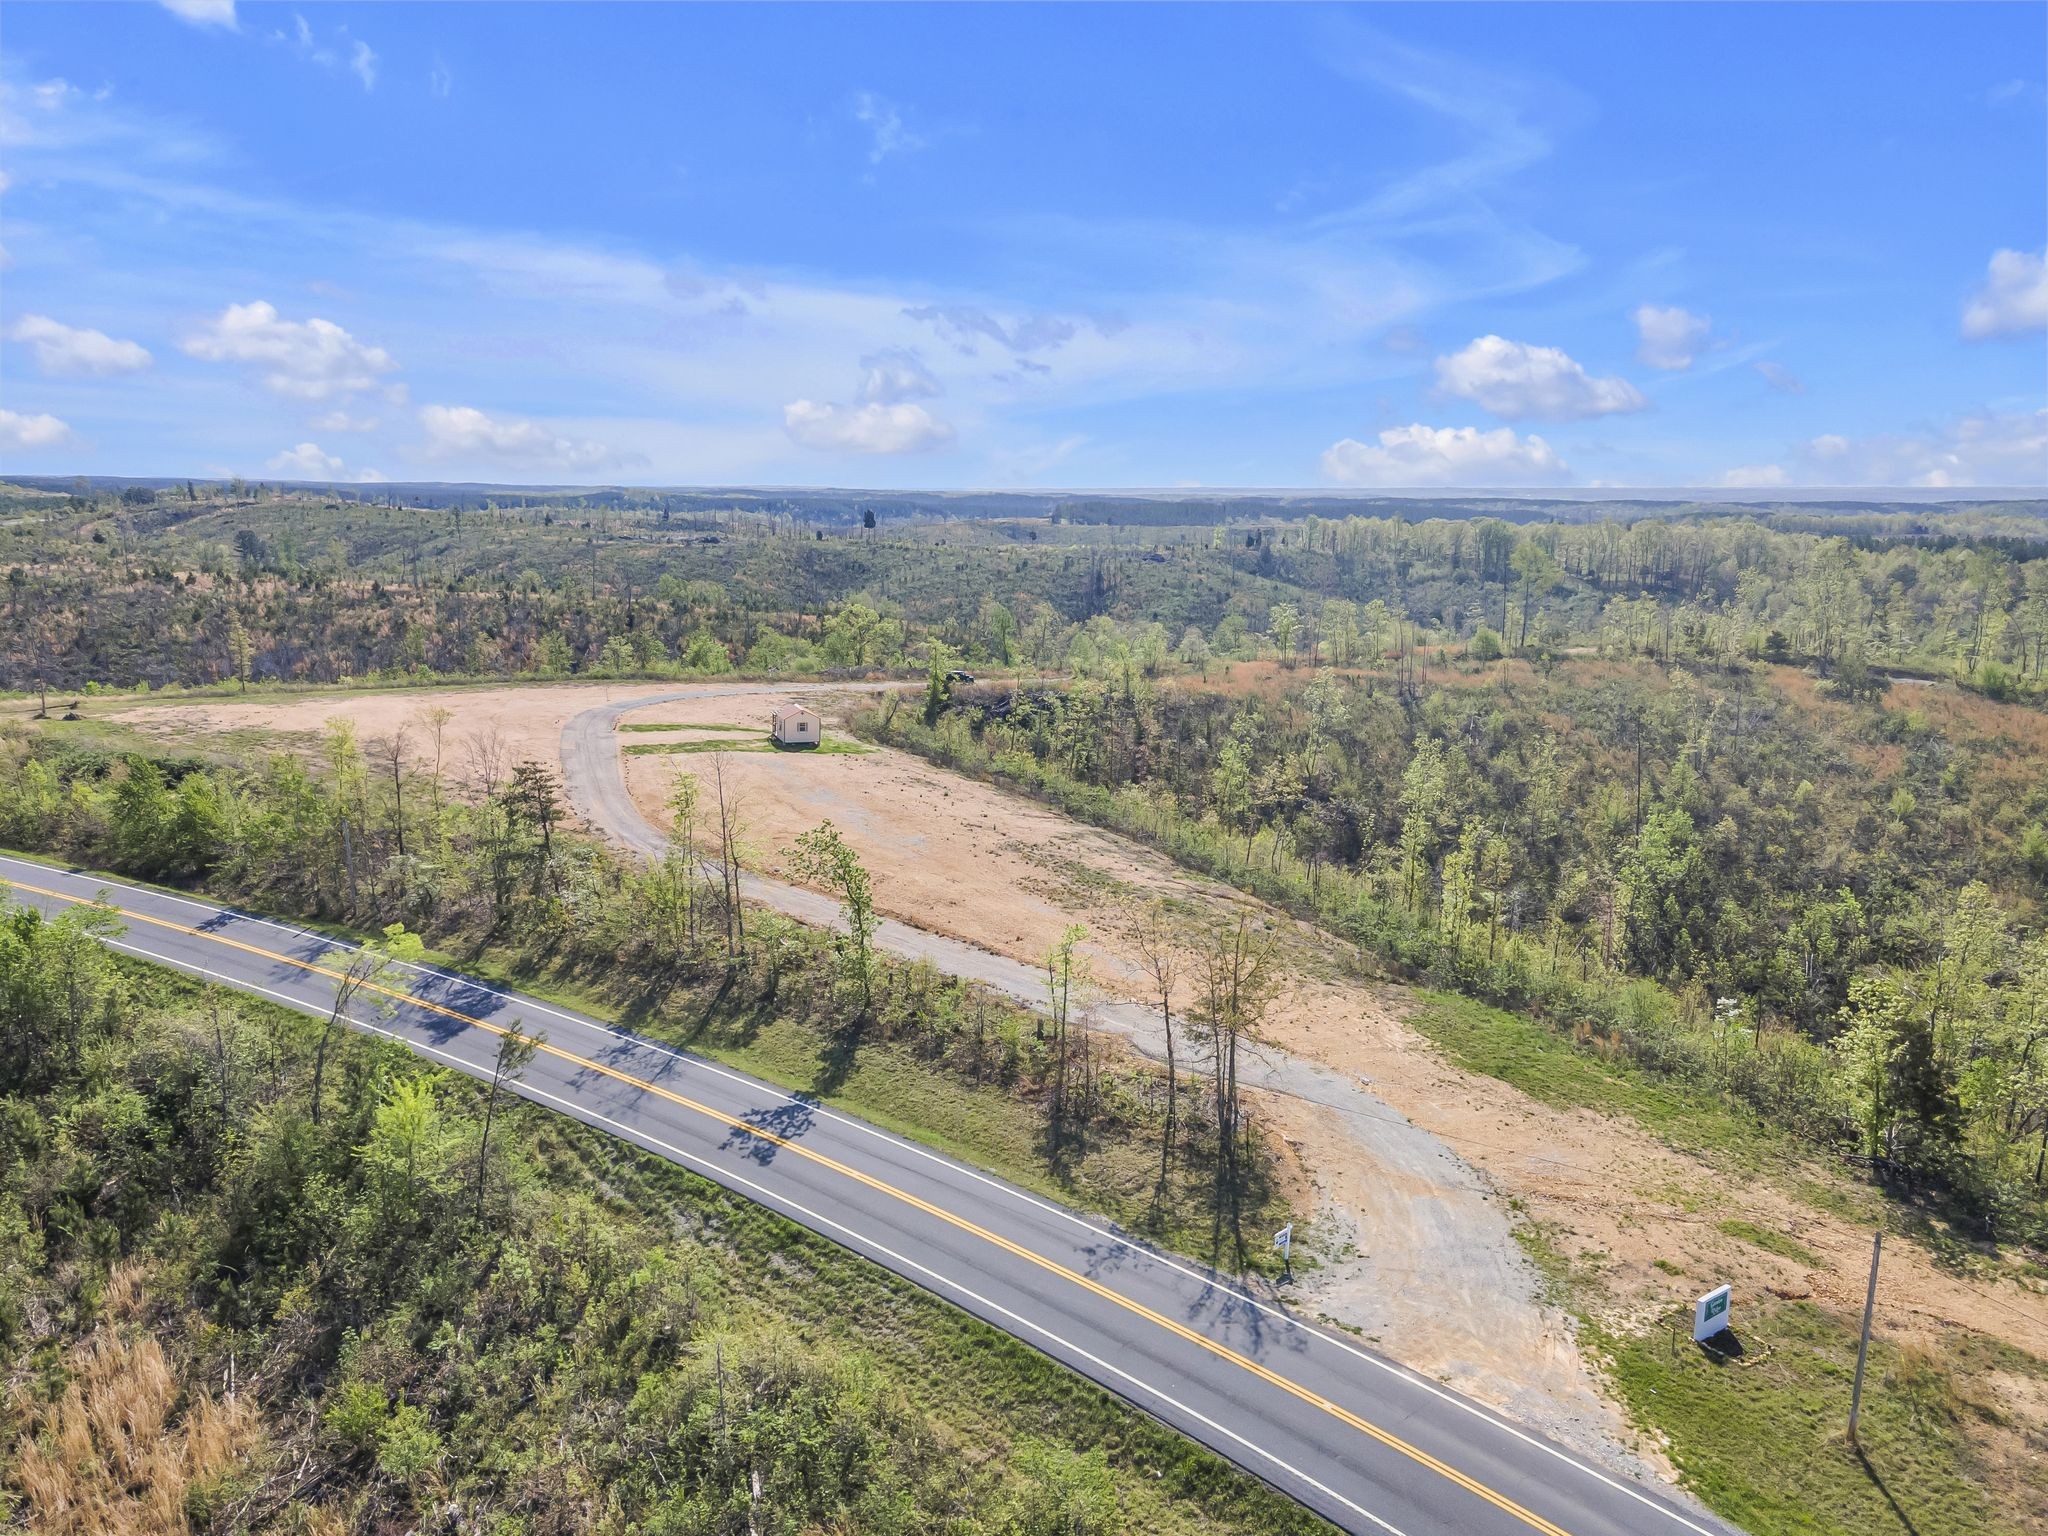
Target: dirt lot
<point x="528" y="721"/>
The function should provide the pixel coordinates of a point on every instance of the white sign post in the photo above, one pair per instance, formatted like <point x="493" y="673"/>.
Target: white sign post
<point x="1284" y="1241"/>
<point x="1710" y="1314"/>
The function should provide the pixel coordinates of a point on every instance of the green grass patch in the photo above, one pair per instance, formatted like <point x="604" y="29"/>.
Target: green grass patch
<point x="1762" y="1437"/>
<point x="1554" y="1071"/>
<point x="712" y="744"/>
<point x="1771" y="1242"/>
<point x="678" y="725"/>
<point x="832" y="748"/>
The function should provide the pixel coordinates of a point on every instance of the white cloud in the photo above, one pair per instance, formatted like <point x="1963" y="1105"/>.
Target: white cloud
<point x="6" y="181"/>
<point x="306" y="359"/>
<point x="1754" y="476"/>
<point x="73" y="352"/>
<point x="1670" y="337"/>
<point x="1780" y="378"/>
<point x="439" y="82"/>
<point x="363" y="60"/>
<point x="894" y="375"/>
<point x="458" y="431"/>
<point x="204" y="13"/>
<point x="2014" y="298"/>
<point x="307" y="462"/>
<point x="886" y="133"/>
<point x="1418" y="455"/>
<point x="1515" y="380"/>
<point x="871" y="428"/>
<point x="1988" y="448"/>
<point x="341" y="421"/>
<point x="52" y="94"/>
<point x="966" y="325"/>
<point x="19" y="431"/>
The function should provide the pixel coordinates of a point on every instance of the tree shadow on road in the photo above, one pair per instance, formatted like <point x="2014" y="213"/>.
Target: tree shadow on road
<point x="760" y="1139"/>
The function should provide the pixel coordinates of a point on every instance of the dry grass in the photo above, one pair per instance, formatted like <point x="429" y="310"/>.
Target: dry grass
<point x="117" y="1454"/>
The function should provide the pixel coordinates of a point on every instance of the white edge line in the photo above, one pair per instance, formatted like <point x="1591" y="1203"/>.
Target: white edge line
<point x="761" y="1195"/>
<point x="1405" y="1373"/>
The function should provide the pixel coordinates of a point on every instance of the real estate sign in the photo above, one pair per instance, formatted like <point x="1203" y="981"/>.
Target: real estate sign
<point x="1710" y="1314"/>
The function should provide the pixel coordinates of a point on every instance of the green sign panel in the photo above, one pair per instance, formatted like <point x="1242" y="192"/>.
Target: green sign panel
<point x="1710" y="1314"/>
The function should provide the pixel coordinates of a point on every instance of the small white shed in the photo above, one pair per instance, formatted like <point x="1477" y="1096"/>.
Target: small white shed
<point x="795" y="725"/>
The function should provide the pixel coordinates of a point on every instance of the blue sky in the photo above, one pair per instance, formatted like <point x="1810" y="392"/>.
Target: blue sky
<point x="1529" y="245"/>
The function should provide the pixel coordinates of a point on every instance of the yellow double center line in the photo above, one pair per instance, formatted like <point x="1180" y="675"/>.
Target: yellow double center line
<point x="1180" y="1330"/>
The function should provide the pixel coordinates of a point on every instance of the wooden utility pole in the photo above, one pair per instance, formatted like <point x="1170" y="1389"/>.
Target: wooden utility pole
<point x="1863" y="1347"/>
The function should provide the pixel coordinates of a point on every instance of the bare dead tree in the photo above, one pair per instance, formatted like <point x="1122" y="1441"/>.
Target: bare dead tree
<point x="485" y="751"/>
<point x="1239" y="982"/>
<point x="362" y="970"/>
<point x="1065" y="971"/>
<point x="729" y="827"/>
<point x="1157" y="941"/>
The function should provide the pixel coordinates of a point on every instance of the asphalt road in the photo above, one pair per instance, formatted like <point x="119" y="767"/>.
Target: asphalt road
<point x="1361" y="1440"/>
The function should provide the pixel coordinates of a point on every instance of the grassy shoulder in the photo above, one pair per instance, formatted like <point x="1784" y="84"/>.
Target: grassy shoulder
<point x="896" y="1083"/>
<point x="1550" y="1069"/>
<point x="1759" y="1432"/>
<point x="835" y="747"/>
<point x="1762" y="1436"/>
<point x="603" y="1342"/>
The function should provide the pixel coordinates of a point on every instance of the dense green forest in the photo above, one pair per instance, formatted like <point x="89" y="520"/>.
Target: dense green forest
<point x="196" y="587"/>
<point x="1825" y="897"/>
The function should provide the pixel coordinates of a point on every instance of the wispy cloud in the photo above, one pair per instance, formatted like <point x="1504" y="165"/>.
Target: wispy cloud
<point x="1669" y="337"/>
<point x="887" y="133"/>
<point x="1981" y="448"/>
<point x="468" y="435"/>
<point x="335" y="50"/>
<point x="1780" y="378"/>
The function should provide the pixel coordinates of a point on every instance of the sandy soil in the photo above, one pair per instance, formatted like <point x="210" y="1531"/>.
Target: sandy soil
<point x="1615" y="1195"/>
<point x="947" y="853"/>
<point x="527" y="721"/>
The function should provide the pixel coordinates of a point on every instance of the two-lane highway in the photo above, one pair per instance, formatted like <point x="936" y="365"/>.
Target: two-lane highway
<point x="1361" y="1440"/>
